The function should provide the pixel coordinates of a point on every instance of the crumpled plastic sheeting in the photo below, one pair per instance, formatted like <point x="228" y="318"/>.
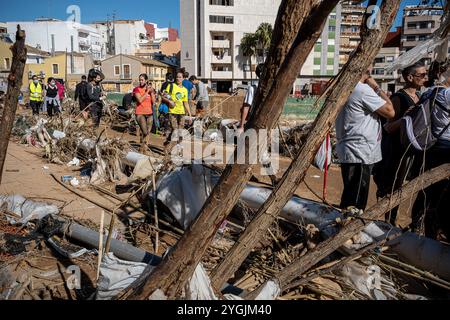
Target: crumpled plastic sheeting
<point x="27" y="209"/>
<point x="116" y="275"/>
<point x="200" y="286"/>
<point x="184" y="192"/>
<point x="412" y="56"/>
<point x="370" y="281"/>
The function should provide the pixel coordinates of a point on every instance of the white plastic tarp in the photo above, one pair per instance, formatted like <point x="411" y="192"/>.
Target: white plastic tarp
<point x="27" y="209"/>
<point x="184" y="192"/>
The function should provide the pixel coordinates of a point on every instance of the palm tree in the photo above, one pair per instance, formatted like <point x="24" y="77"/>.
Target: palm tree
<point x="248" y="48"/>
<point x="264" y="38"/>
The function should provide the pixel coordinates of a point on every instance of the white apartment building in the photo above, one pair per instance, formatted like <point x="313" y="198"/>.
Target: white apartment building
<point x="211" y="33"/>
<point x="129" y="36"/>
<point x="53" y="35"/>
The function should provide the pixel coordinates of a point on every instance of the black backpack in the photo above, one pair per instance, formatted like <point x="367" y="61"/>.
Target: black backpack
<point x="417" y="125"/>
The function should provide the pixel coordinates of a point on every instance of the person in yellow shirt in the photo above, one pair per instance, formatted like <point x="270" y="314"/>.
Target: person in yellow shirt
<point x="176" y="97"/>
<point x="35" y="95"/>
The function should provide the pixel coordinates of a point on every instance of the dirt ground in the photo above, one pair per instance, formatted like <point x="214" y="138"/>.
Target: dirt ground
<point x="27" y="173"/>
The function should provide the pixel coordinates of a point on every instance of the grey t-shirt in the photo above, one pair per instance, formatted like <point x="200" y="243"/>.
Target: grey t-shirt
<point x="202" y="92"/>
<point x="358" y="128"/>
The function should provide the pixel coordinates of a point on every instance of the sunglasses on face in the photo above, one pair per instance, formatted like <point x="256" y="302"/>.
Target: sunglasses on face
<point x="420" y="75"/>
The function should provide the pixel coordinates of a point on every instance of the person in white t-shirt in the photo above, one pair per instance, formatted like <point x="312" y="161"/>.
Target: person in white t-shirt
<point x="358" y="131"/>
<point x="248" y="100"/>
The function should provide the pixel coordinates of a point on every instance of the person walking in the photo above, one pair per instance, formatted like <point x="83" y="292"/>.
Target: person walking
<point x="81" y="94"/>
<point x="176" y="98"/>
<point x="145" y="97"/>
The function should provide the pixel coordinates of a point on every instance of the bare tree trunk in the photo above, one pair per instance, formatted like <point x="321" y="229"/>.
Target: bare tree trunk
<point x="12" y="96"/>
<point x="337" y="95"/>
<point x="298" y="26"/>
<point x="325" y="248"/>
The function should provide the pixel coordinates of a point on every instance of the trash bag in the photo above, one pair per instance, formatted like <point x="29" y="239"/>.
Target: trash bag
<point x="321" y="156"/>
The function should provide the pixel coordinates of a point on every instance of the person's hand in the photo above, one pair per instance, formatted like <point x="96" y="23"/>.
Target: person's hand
<point x="240" y="130"/>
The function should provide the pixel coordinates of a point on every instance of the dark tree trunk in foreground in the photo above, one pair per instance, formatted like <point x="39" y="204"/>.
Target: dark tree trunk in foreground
<point x="12" y="95"/>
<point x="325" y="248"/>
<point x="297" y="28"/>
<point x="338" y="94"/>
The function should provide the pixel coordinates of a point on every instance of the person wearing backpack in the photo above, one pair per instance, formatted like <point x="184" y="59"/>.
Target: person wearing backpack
<point x="96" y="96"/>
<point x="358" y="132"/>
<point x="432" y="203"/>
<point x="175" y="96"/>
<point x="81" y="93"/>
<point x="395" y="166"/>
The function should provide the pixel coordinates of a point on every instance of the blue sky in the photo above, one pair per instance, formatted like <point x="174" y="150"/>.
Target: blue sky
<point x="162" y="12"/>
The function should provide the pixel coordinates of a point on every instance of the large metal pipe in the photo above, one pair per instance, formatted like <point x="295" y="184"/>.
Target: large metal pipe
<point x="120" y="249"/>
<point x="424" y="253"/>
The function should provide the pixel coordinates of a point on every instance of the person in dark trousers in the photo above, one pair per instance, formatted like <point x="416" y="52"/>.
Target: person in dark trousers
<point x="358" y="132"/>
<point x="81" y="93"/>
<point x="52" y="101"/>
<point x="36" y="91"/>
<point x="191" y="90"/>
<point x="96" y="97"/>
<point x="432" y="204"/>
<point x="396" y="165"/>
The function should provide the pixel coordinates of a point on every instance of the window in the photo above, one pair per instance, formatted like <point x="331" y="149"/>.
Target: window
<point x="332" y="28"/>
<point x="228" y="3"/>
<point x="410" y="38"/>
<point x="379" y="60"/>
<point x="423" y="37"/>
<point x="378" y="71"/>
<point x="389" y="58"/>
<point x="221" y="19"/>
<point x="7" y="63"/>
<point x="126" y="71"/>
<point x="55" y="68"/>
<point x="117" y="87"/>
<point x="117" y="70"/>
<point x="412" y="25"/>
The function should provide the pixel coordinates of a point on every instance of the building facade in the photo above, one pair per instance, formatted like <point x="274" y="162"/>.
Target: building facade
<point x="211" y="33"/>
<point x="122" y="72"/>
<point x="53" y="35"/>
<point x="419" y="23"/>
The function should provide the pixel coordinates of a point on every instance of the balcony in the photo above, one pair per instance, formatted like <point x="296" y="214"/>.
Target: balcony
<point x="221" y="60"/>
<point x="222" y="75"/>
<point x="84" y="42"/>
<point x="350" y="34"/>
<point x="352" y="21"/>
<point x="221" y="44"/>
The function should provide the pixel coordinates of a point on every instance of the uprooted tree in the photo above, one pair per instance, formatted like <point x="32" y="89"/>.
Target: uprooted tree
<point x="19" y="52"/>
<point x="297" y="28"/>
<point x="337" y="94"/>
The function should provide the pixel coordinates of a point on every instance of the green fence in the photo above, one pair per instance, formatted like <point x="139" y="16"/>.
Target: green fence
<point x="298" y="109"/>
<point x="301" y="109"/>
